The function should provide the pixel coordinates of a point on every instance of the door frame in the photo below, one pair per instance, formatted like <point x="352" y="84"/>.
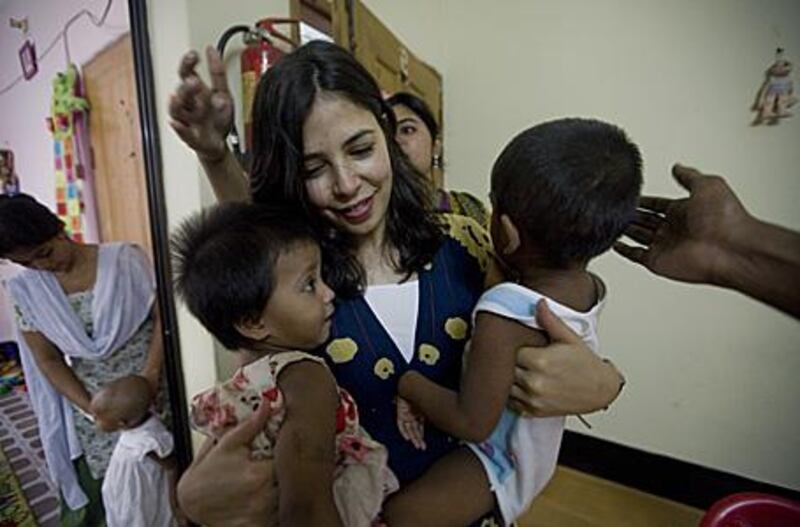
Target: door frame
<point x="156" y="203"/>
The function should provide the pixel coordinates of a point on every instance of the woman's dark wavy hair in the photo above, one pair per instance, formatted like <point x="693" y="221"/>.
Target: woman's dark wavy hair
<point x="25" y="223"/>
<point x="282" y="103"/>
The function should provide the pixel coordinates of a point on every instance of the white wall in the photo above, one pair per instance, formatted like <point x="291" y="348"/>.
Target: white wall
<point x="25" y="106"/>
<point x="711" y="374"/>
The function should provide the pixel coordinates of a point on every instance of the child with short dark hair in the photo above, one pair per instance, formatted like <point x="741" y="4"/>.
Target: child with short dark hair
<point x="252" y="275"/>
<point x="562" y="193"/>
<point x="139" y="485"/>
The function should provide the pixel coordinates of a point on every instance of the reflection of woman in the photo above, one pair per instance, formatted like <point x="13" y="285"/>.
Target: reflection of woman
<point x="418" y="137"/>
<point x="86" y="315"/>
<point x="406" y="281"/>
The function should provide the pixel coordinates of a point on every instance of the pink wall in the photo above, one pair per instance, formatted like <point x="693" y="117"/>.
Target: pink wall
<point x="24" y="107"/>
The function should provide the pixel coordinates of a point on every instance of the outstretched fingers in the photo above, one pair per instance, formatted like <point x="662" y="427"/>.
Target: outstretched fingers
<point x="655" y="204"/>
<point x="188" y="63"/>
<point x="686" y="177"/>
<point x="635" y="254"/>
<point x="216" y="70"/>
<point x="648" y="219"/>
<point x="640" y="233"/>
<point x="179" y="110"/>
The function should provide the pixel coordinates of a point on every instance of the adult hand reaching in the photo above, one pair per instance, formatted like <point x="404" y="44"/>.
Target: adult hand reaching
<point x="564" y="377"/>
<point x="226" y="486"/>
<point x="201" y="115"/>
<point x="710" y="238"/>
<point x="687" y="239"/>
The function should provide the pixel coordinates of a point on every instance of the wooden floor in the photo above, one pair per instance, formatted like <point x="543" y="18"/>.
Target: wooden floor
<point x="575" y="499"/>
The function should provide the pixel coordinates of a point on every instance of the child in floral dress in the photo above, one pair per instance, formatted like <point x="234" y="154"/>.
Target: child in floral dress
<point x="251" y="275"/>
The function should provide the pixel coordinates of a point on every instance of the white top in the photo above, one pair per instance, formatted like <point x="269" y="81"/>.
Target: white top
<point x="521" y="454"/>
<point x="7" y="327"/>
<point x="396" y="307"/>
<point x="136" y="487"/>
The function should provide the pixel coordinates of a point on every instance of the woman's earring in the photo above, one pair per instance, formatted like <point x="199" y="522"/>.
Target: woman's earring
<point x="436" y="162"/>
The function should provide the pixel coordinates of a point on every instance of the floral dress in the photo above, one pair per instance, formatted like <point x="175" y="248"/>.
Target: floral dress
<point x="362" y="478"/>
<point x="127" y="360"/>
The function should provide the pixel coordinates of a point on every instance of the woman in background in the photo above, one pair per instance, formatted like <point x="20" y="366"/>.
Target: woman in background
<point x="418" y="136"/>
<point x="94" y="304"/>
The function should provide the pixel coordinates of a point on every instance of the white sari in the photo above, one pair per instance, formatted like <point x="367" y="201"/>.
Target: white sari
<point x="124" y="292"/>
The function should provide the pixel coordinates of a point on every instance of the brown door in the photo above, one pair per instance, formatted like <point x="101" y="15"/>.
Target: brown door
<point x="121" y="186"/>
<point x="390" y="61"/>
<point x="355" y="27"/>
<point x="385" y="56"/>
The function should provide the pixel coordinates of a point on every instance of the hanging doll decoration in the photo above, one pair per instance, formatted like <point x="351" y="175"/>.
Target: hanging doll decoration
<point x="68" y="122"/>
<point x="777" y="93"/>
<point x="9" y="182"/>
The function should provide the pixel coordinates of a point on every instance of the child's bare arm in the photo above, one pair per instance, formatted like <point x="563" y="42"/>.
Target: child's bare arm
<point x="52" y="364"/>
<point x="453" y="492"/>
<point x="473" y="412"/>
<point x="305" y="454"/>
<point x="155" y="353"/>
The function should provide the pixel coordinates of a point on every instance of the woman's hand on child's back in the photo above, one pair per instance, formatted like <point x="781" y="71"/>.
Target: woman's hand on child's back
<point x="563" y="378"/>
<point x="226" y="486"/>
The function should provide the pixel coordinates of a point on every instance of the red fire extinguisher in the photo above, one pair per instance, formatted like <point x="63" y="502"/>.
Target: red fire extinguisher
<point x="264" y="46"/>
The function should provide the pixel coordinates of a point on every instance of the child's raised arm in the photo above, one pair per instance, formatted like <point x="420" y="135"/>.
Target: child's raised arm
<point x="305" y="454"/>
<point x="155" y="354"/>
<point x="473" y="412"/>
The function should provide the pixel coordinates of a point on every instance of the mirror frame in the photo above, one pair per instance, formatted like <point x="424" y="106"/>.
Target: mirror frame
<point x="159" y="232"/>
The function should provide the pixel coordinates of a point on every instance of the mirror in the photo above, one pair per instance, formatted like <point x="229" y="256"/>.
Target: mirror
<point x="83" y="142"/>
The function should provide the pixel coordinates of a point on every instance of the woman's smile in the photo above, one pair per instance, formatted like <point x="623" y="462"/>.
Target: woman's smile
<point x="357" y="213"/>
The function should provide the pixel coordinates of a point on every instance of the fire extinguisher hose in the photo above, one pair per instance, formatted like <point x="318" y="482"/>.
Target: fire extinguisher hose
<point x="226" y="36"/>
<point x="233" y="134"/>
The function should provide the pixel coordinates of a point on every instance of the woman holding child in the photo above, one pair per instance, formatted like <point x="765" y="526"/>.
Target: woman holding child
<point x="92" y="304"/>
<point x="406" y="278"/>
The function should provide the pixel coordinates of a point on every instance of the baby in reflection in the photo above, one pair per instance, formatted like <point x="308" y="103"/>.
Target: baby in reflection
<point x="139" y="485"/>
<point x="252" y="275"/>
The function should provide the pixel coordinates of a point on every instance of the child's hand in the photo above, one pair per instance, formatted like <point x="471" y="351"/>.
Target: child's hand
<point x="410" y="424"/>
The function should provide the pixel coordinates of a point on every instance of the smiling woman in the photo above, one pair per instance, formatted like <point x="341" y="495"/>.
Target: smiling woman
<point x="405" y="276"/>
